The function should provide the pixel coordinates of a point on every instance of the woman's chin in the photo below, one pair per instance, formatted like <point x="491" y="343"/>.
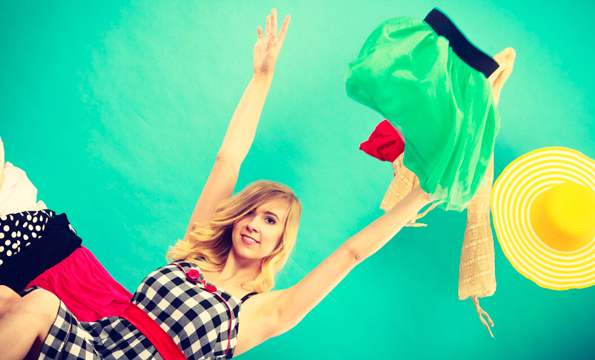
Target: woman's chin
<point x="246" y="253"/>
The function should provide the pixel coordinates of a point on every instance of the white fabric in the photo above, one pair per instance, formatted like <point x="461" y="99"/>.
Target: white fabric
<point x="18" y="194"/>
<point x="1" y="151"/>
<point x="1" y="163"/>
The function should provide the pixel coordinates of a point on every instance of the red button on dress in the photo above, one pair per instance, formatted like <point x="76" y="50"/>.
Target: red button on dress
<point x="210" y="288"/>
<point x="193" y="274"/>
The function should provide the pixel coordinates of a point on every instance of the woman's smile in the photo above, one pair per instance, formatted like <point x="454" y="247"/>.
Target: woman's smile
<point x="249" y="240"/>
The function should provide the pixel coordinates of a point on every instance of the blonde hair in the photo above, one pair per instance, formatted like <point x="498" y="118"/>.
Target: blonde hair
<point x="209" y="245"/>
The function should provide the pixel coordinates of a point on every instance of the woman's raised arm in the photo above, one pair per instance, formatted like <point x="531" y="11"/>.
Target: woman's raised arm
<point x="270" y="314"/>
<point x="242" y="127"/>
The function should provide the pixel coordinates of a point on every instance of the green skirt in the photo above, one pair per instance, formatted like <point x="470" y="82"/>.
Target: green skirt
<point x="443" y="106"/>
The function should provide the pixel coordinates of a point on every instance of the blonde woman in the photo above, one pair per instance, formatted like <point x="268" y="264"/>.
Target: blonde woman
<point x="222" y="271"/>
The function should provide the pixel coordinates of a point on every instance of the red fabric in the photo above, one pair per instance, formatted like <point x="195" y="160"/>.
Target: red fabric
<point x="167" y="348"/>
<point x="85" y="287"/>
<point x="385" y="143"/>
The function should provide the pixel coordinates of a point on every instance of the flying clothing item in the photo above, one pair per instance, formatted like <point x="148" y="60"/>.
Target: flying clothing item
<point x="84" y="286"/>
<point x="17" y="192"/>
<point x="32" y="242"/>
<point x="40" y="248"/>
<point x="431" y="83"/>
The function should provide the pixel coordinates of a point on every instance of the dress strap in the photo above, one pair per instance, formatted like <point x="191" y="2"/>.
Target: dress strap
<point x="248" y="296"/>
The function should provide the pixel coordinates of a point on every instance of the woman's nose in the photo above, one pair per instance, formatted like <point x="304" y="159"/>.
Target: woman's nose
<point x="252" y="225"/>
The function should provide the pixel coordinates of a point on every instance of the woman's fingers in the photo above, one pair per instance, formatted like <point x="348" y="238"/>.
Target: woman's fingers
<point x="274" y="20"/>
<point x="271" y="27"/>
<point x="267" y="29"/>
<point x="271" y="42"/>
<point x="283" y="31"/>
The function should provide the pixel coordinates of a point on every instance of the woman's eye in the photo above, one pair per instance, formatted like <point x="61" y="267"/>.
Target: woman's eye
<point x="270" y="220"/>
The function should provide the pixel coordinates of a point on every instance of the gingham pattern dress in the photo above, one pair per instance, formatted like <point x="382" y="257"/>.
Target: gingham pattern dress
<point x="197" y="320"/>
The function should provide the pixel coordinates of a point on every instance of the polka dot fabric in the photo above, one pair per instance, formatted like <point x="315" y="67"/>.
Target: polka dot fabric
<point x="20" y="230"/>
<point x="32" y="242"/>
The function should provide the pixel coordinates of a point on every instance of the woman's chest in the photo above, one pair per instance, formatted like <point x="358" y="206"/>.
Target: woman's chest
<point x="232" y="286"/>
<point x="202" y="319"/>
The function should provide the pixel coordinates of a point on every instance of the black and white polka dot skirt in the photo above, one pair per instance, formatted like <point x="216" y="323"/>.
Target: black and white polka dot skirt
<point x="32" y="242"/>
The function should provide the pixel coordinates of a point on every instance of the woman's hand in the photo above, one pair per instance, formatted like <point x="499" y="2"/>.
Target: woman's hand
<point x="269" y="45"/>
<point x="424" y="195"/>
<point x="242" y="127"/>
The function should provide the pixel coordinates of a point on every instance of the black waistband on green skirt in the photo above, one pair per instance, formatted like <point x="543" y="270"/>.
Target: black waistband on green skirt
<point x="461" y="46"/>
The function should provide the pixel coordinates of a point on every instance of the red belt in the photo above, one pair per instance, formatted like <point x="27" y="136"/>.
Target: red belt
<point x="164" y="344"/>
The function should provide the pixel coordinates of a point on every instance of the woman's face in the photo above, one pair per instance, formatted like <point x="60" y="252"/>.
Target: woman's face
<point x="258" y="233"/>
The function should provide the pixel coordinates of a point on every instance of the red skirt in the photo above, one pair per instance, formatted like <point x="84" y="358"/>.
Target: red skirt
<point x="84" y="286"/>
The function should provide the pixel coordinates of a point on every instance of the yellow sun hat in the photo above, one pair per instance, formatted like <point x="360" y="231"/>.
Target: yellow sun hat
<point x="543" y="208"/>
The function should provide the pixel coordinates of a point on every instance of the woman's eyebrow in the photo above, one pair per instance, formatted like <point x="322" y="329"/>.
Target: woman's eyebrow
<point x="272" y="213"/>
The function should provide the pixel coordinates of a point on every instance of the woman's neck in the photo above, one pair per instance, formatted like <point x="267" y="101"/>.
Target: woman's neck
<point x="241" y="270"/>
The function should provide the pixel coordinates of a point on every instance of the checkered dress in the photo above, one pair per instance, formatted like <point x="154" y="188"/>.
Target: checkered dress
<point x="197" y="320"/>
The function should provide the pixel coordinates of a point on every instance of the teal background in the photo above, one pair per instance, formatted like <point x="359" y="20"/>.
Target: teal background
<point x="116" y="109"/>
